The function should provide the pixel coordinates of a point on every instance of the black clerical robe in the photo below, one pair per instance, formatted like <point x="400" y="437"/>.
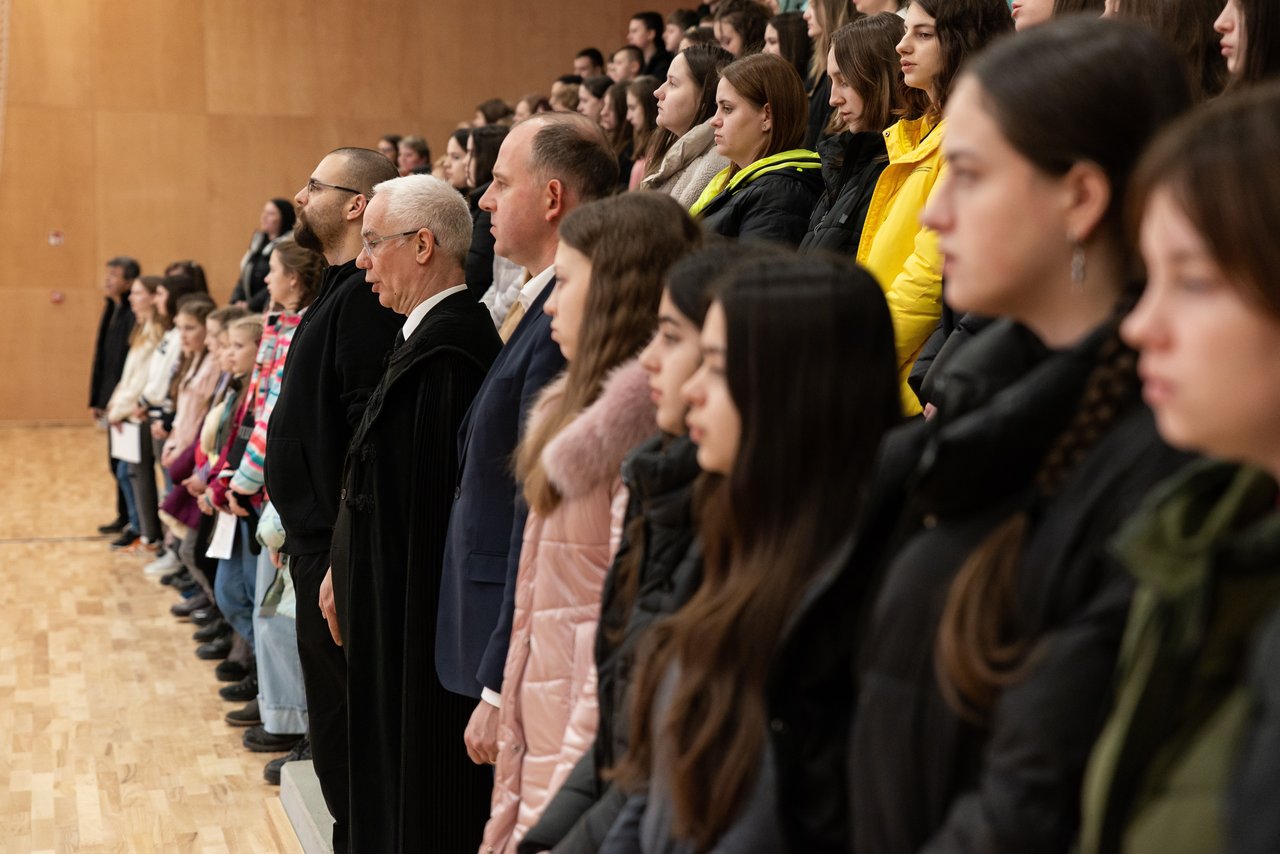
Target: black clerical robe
<point x="413" y="788"/>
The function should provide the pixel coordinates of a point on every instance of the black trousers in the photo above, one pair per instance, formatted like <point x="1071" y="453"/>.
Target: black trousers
<point x="324" y="675"/>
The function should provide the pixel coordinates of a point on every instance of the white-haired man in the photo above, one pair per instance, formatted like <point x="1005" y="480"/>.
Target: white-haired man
<point x="412" y="787"/>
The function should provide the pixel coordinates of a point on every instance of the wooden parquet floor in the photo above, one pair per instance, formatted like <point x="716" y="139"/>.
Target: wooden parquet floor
<point x="111" y="730"/>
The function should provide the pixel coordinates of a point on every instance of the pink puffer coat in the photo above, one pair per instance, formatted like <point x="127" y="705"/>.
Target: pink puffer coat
<point x="549" y="711"/>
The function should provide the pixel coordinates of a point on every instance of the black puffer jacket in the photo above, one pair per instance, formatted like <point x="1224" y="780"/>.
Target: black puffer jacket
<point x="922" y="778"/>
<point x="851" y="164"/>
<point x="659" y="475"/>
<point x="772" y="202"/>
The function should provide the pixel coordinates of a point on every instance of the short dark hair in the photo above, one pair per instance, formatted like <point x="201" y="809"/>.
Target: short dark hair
<point x="494" y="110"/>
<point x="636" y="53"/>
<point x="652" y="22"/>
<point x="684" y="19"/>
<point x="365" y="168"/>
<point x="570" y="79"/>
<point x="572" y="149"/>
<point x="129" y="268"/>
<point x="593" y="54"/>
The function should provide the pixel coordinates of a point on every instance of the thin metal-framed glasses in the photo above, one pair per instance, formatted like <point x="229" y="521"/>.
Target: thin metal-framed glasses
<point x="369" y="244"/>
<point x="313" y="185"/>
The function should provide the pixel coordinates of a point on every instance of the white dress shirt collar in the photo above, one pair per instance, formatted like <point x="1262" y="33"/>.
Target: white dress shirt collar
<point x="415" y="317"/>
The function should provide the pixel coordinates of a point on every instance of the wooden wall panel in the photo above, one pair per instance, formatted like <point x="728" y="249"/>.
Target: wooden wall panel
<point x="150" y="55"/>
<point x="157" y="221"/>
<point x="51" y="52"/>
<point x="48" y="161"/>
<point x="158" y="128"/>
<point x="46" y="351"/>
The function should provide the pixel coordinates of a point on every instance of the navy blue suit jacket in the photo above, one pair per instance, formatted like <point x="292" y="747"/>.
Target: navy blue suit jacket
<point x="486" y="527"/>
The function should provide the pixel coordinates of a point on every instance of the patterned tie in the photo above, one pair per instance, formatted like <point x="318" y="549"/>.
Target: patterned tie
<point x="513" y="320"/>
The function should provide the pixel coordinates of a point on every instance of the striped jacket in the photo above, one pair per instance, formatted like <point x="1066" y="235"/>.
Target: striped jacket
<point x="277" y="333"/>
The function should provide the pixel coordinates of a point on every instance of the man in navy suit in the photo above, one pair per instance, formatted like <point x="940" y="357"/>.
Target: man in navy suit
<point x="548" y="165"/>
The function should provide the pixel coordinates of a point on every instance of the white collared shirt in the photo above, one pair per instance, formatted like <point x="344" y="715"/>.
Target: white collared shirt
<point x="534" y="286"/>
<point x="415" y="317"/>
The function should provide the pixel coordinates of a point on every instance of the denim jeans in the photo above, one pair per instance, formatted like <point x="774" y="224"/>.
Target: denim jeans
<point x="235" y="582"/>
<point x="282" y="698"/>
<point x="125" y="485"/>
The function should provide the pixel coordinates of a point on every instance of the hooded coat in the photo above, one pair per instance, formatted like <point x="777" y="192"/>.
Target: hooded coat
<point x="549" y="711"/>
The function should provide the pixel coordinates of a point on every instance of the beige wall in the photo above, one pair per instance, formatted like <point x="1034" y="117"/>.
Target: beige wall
<point x="157" y="128"/>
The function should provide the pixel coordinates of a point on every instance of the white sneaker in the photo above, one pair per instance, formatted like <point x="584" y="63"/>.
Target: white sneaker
<point x="164" y="564"/>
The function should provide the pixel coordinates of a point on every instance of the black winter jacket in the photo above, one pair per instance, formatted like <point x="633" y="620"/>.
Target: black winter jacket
<point x="851" y="165"/>
<point x="335" y="361"/>
<point x="921" y="777"/>
<point x="774" y="206"/>
<point x="109" y="351"/>
<point x="659" y="475"/>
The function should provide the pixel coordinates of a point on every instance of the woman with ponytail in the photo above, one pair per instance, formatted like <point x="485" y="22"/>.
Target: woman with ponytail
<point x="987" y="659"/>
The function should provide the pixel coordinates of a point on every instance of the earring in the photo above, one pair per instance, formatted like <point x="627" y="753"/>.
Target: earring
<point x="1078" y="265"/>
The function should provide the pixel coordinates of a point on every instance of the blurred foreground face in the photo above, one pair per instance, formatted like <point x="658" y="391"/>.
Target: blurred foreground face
<point x="1210" y="356"/>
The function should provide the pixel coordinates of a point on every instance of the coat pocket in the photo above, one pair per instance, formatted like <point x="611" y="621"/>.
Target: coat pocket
<point x="487" y="567"/>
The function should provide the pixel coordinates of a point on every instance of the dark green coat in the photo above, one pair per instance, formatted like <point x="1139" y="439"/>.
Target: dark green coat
<point x="1205" y="551"/>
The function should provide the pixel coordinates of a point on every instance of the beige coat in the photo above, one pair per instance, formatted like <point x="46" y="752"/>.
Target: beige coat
<point x="688" y="166"/>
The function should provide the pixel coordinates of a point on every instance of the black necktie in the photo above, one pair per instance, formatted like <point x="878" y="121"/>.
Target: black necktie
<point x="399" y="340"/>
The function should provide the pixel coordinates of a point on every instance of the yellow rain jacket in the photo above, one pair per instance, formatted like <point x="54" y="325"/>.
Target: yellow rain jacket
<point x="899" y="252"/>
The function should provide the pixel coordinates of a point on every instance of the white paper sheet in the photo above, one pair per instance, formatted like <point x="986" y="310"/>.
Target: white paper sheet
<point x="126" y="442"/>
<point x="224" y="537"/>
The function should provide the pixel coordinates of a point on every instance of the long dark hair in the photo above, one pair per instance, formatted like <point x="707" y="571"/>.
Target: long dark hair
<point x="1188" y="25"/>
<point x="810" y="356"/>
<point x="963" y="28"/>
<point x="620" y="137"/>
<point x="485" y="144"/>
<point x="691" y="285"/>
<point x="1261" y="22"/>
<point x="631" y="241"/>
<point x="1071" y="91"/>
<point x="865" y="55"/>
<point x="642" y="89"/>
<point x="794" y="43"/>
<point x="705" y="62"/>
<point x="749" y="18"/>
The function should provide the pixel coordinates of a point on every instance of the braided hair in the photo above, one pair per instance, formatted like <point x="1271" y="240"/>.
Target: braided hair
<point x="979" y="650"/>
<point x="1075" y="90"/>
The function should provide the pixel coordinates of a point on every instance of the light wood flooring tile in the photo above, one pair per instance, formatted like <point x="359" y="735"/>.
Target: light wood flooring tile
<point x="111" y="730"/>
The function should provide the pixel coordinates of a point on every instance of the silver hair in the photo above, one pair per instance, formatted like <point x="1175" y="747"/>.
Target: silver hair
<point x="425" y="201"/>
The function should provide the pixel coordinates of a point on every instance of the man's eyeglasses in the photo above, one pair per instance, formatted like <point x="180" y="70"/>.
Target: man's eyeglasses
<point x="369" y="244"/>
<point x="314" y="186"/>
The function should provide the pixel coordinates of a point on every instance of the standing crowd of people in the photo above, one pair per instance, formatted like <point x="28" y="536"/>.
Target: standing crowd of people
<point x="828" y="429"/>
